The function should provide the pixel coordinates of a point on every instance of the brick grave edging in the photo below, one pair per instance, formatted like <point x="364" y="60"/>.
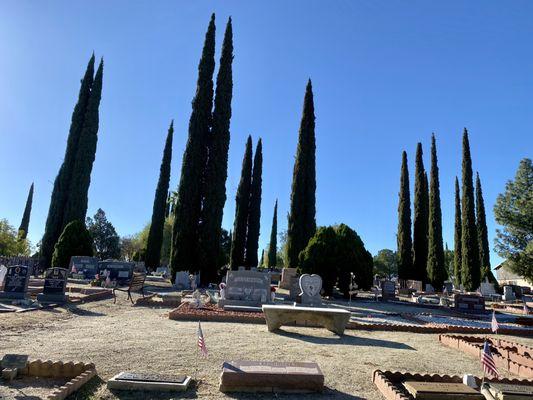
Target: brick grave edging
<point x="177" y="314"/>
<point x="78" y="374"/>
<point x="510" y="361"/>
<point x="389" y="383"/>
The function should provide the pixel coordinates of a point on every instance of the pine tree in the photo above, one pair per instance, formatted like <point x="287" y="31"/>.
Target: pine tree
<point x="403" y="237"/>
<point x="155" y="235"/>
<point x="77" y="202"/>
<point x="184" y="252"/>
<point x="242" y="206"/>
<point x="302" y="222"/>
<point x="254" y="211"/>
<point x="54" y="221"/>
<point x="457" y="257"/>
<point x="217" y="164"/>
<point x="420" y="219"/>
<point x="25" y="223"/>
<point x="470" y="268"/>
<point x="273" y="245"/>
<point x="482" y="234"/>
<point x="436" y="267"/>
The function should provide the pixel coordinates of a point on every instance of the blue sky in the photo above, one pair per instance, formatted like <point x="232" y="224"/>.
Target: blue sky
<point x="385" y="75"/>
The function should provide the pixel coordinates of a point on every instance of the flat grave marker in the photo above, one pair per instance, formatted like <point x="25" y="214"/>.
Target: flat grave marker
<point x="441" y="391"/>
<point x="266" y="376"/>
<point x="149" y="382"/>
<point x="505" y="391"/>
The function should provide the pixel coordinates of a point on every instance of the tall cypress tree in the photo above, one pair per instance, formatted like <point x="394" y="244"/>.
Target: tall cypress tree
<point x="436" y="268"/>
<point x="217" y="164"/>
<point x="470" y="267"/>
<point x="254" y="211"/>
<point x="457" y="249"/>
<point x="54" y="221"/>
<point x="482" y="234"/>
<point x="302" y="222"/>
<point x="25" y="223"/>
<point x="273" y="245"/>
<point x="242" y="206"/>
<point x="77" y="202"/>
<point x="155" y="235"/>
<point x="184" y="250"/>
<point x="420" y="220"/>
<point x="403" y="237"/>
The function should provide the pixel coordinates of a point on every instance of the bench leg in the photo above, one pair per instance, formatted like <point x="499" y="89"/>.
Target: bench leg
<point x="114" y="297"/>
<point x="129" y="297"/>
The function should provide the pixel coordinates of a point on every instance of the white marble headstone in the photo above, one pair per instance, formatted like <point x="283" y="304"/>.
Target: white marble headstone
<point x="310" y="286"/>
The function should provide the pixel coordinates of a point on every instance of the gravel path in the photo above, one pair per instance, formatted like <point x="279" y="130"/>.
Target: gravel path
<point x="120" y="337"/>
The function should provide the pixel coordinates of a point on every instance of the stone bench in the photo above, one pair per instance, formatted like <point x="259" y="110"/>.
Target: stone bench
<point x="332" y="319"/>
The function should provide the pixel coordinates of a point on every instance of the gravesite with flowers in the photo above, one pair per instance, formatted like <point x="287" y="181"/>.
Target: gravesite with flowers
<point x="329" y="218"/>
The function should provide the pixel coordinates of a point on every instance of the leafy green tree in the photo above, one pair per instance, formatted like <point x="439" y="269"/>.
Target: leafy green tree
<point x="301" y="221"/>
<point x="386" y="263"/>
<point x="242" y="207"/>
<point x="334" y="253"/>
<point x="216" y="171"/>
<point x="420" y="220"/>
<point x="10" y="242"/>
<point x="514" y="212"/>
<point x="254" y="210"/>
<point x="74" y="241"/>
<point x="155" y="236"/>
<point x="105" y="238"/>
<point x="55" y="220"/>
<point x="273" y="245"/>
<point x="185" y="235"/>
<point x="470" y="268"/>
<point x="457" y="257"/>
<point x="25" y="223"/>
<point x="436" y="268"/>
<point x="403" y="237"/>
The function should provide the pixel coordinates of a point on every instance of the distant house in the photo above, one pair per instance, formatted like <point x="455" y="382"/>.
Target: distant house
<point x="506" y="276"/>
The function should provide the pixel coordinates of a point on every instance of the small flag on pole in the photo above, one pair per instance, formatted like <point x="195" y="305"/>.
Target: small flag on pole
<point x="526" y="309"/>
<point x="201" y="341"/>
<point x="489" y="367"/>
<point x="494" y="326"/>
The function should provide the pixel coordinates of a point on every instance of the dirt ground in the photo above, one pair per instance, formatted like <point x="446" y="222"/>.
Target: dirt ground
<point x="119" y="337"/>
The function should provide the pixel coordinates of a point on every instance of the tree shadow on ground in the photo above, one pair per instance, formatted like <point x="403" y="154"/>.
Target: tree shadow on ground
<point x="346" y="340"/>
<point x="326" y="394"/>
<point x="190" y="393"/>
<point x="84" y="313"/>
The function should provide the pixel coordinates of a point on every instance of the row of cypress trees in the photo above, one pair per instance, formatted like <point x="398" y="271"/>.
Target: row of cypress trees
<point x="246" y="226"/>
<point x="201" y="192"/>
<point x="421" y="257"/>
<point x="472" y="254"/>
<point x="69" y="196"/>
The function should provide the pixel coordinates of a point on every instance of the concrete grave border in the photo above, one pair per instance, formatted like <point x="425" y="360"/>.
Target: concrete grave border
<point x="78" y="373"/>
<point x="518" y="362"/>
<point x="389" y="383"/>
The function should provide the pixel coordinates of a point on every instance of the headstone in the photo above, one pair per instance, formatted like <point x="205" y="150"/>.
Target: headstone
<point x="182" y="281"/>
<point x="310" y="286"/>
<point x="449" y="287"/>
<point x="15" y="282"/>
<point x="276" y="377"/>
<point x="469" y="303"/>
<point x="286" y="277"/>
<point x="505" y="391"/>
<point x="508" y="294"/>
<point x="441" y="391"/>
<point x="388" y="290"/>
<point x="148" y="382"/>
<point x="86" y="266"/>
<point x="429" y="288"/>
<point x="3" y="272"/>
<point x="11" y="364"/>
<point x="162" y="271"/>
<point x="120" y="271"/>
<point x="294" y="288"/>
<point x="246" y="288"/>
<point x="55" y="282"/>
<point x="416" y="285"/>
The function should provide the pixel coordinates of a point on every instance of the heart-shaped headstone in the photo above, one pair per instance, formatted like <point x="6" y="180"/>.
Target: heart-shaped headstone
<point x="311" y="285"/>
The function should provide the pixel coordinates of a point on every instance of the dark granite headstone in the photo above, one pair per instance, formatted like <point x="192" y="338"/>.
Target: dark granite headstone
<point x="388" y="290"/>
<point x="16" y="282"/>
<point x="119" y="271"/>
<point x="247" y="288"/>
<point x="469" y="303"/>
<point x="55" y="282"/>
<point x="17" y="361"/>
<point x="84" y="265"/>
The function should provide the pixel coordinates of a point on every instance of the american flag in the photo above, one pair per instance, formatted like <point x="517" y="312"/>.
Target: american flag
<point x="201" y="341"/>
<point x="494" y="323"/>
<point x="487" y="362"/>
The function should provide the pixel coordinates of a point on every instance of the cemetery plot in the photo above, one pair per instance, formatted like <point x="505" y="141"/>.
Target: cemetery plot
<point x="149" y="382"/>
<point x="55" y="283"/>
<point x="210" y="312"/>
<point x="15" y="284"/>
<point x="264" y="376"/>
<point x="395" y="385"/>
<point x="512" y="357"/>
